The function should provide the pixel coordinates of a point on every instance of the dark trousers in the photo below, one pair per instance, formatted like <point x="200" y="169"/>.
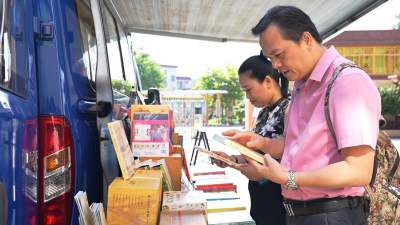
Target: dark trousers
<point x="266" y="203"/>
<point x="347" y="216"/>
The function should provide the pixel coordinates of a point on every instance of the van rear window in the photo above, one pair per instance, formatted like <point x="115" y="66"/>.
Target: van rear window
<point x="13" y="65"/>
<point x="88" y="63"/>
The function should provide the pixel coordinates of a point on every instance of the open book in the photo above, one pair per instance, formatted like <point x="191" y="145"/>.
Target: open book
<point x="216" y="156"/>
<point x="238" y="147"/>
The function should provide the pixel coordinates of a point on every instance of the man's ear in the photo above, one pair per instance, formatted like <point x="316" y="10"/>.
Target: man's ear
<point x="307" y="38"/>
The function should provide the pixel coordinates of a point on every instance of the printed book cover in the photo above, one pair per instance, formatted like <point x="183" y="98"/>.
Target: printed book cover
<point x="184" y="201"/>
<point x="122" y="149"/>
<point x="151" y="128"/>
<point x="134" y="201"/>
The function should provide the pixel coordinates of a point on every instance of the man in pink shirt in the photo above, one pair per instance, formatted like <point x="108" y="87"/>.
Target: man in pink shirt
<point x="322" y="181"/>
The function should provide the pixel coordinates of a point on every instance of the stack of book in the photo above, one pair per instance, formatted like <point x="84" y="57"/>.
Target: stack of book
<point x="153" y="137"/>
<point x="184" y="208"/>
<point x="219" y="191"/>
<point x="93" y="215"/>
<point x="134" y="198"/>
<point x="160" y="165"/>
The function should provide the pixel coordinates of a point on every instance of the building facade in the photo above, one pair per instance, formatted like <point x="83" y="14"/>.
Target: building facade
<point x="376" y="51"/>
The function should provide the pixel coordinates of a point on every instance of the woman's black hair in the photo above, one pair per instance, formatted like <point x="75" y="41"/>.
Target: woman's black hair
<point x="260" y="67"/>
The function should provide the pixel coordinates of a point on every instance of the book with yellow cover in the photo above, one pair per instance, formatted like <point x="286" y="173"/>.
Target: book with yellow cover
<point x="145" y="173"/>
<point x="183" y="218"/>
<point x="134" y="201"/>
<point x="238" y="147"/>
<point x="167" y="181"/>
<point x="225" y="205"/>
<point x="174" y="166"/>
<point x="122" y="149"/>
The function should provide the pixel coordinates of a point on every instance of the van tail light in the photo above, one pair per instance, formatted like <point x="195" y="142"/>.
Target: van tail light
<point x="56" y="171"/>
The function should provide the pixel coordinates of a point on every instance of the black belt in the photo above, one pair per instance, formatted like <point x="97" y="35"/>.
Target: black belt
<point x="302" y="208"/>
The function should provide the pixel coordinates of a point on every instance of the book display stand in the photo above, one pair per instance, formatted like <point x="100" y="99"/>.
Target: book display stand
<point x="201" y="136"/>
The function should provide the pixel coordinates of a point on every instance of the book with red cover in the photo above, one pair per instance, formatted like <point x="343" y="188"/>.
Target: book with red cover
<point x="209" y="173"/>
<point x="211" y="186"/>
<point x="221" y="189"/>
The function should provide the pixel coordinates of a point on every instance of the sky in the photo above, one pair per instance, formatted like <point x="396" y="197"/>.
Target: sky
<point x="194" y="57"/>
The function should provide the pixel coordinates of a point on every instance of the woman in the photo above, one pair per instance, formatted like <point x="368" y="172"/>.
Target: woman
<point x="266" y="88"/>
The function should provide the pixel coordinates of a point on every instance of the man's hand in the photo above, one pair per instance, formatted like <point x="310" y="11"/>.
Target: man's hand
<point x="221" y="164"/>
<point x="249" y="171"/>
<point x="250" y="139"/>
<point x="271" y="170"/>
<point x="231" y="132"/>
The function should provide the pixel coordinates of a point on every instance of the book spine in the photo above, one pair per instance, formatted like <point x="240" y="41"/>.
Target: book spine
<point x="214" y="210"/>
<point x="209" y="173"/>
<point x="218" y="189"/>
<point x="185" y="207"/>
<point x="167" y="177"/>
<point x="223" y="185"/>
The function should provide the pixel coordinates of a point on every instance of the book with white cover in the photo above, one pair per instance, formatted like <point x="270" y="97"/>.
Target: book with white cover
<point x="85" y="215"/>
<point x="224" y="195"/>
<point x="184" y="201"/>
<point x="98" y="214"/>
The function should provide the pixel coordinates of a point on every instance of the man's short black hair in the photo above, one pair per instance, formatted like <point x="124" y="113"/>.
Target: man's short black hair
<point x="292" y="22"/>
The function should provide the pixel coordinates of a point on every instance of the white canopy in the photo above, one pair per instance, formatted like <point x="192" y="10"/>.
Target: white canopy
<point x="223" y="20"/>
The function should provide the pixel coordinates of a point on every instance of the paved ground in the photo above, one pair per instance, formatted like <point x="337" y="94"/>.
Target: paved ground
<point x="203" y="164"/>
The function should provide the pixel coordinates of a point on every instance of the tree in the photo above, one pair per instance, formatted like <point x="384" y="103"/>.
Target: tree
<point x="397" y="27"/>
<point x="390" y="98"/>
<point x="151" y="74"/>
<point x="122" y="86"/>
<point x="223" y="79"/>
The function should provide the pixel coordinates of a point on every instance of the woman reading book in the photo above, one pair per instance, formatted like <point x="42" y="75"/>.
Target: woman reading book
<point x="266" y="88"/>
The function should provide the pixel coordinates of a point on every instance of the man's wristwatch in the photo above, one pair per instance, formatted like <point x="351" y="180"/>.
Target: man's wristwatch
<point x="291" y="184"/>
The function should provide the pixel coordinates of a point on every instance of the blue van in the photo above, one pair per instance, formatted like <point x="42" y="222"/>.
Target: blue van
<point x="57" y="60"/>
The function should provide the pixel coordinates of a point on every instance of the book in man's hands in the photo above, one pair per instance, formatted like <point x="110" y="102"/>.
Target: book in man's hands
<point x="238" y="147"/>
<point x="217" y="157"/>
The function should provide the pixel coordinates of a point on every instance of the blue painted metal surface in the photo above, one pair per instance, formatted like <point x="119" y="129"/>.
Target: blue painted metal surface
<point x="48" y="48"/>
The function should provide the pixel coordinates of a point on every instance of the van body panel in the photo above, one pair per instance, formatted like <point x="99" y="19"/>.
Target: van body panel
<point x="18" y="111"/>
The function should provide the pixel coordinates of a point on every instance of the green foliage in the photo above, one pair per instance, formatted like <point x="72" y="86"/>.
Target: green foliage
<point x="397" y="26"/>
<point x="390" y="98"/>
<point x="122" y="86"/>
<point x="223" y="79"/>
<point x="151" y="74"/>
<point x="238" y="112"/>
